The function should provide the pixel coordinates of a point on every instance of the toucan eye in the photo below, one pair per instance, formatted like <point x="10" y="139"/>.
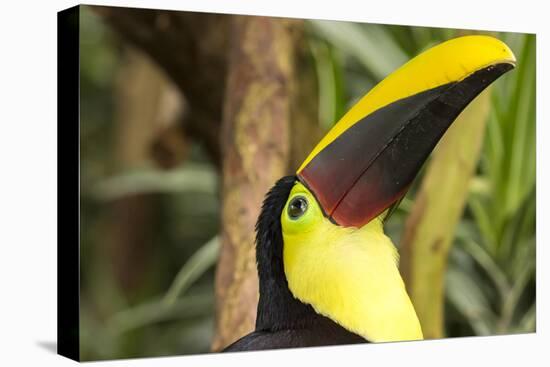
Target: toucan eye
<point x="297" y="207"/>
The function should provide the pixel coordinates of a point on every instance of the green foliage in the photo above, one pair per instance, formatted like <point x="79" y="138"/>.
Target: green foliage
<point x="371" y="45"/>
<point x="501" y="233"/>
<point x="172" y="309"/>
<point x="188" y="178"/>
<point x="197" y="264"/>
<point x="329" y="77"/>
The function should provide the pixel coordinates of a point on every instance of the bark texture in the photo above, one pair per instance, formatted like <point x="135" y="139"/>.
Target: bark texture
<point x="257" y="113"/>
<point x="429" y="229"/>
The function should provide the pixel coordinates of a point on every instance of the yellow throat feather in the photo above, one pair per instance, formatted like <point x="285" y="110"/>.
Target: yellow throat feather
<point x="349" y="275"/>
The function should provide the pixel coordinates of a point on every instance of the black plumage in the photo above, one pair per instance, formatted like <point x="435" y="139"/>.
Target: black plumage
<point x="283" y="321"/>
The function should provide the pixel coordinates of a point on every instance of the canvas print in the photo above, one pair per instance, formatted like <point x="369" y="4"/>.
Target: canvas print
<point x="249" y="183"/>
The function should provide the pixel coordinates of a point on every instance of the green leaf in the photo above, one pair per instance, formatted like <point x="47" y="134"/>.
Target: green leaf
<point x="513" y="296"/>
<point x="374" y="48"/>
<point x="468" y="298"/>
<point x="529" y="319"/>
<point x="489" y="265"/>
<point x="524" y="254"/>
<point x="517" y="229"/>
<point x="484" y="223"/>
<point x="155" y="311"/>
<point x="329" y="76"/>
<point x="198" y="264"/>
<point x="523" y="97"/>
<point x="190" y="177"/>
<point x="494" y="149"/>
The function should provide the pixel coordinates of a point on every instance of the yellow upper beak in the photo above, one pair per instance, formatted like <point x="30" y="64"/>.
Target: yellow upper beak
<point x="369" y="158"/>
<point x="450" y="61"/>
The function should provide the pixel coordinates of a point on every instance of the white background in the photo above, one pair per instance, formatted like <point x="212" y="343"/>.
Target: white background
<point x="28" y="182"/>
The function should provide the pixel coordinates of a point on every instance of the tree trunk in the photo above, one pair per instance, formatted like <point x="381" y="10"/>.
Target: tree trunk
<point x="430" y="227"/>
<point x="255" y="141"/>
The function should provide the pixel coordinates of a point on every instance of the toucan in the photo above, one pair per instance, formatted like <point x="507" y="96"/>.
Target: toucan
<point x="328" y="274"/>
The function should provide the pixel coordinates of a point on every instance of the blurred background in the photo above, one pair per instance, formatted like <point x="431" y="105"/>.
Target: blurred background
<point x="186" y="121"/>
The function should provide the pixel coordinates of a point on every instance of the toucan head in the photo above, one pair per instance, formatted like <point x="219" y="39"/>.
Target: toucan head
<point x="335" y="256"/>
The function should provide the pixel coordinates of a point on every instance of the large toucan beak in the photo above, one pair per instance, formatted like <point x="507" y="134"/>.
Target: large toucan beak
<point x="367" y="161"/>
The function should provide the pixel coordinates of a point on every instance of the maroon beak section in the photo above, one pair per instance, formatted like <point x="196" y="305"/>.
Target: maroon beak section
<point x="372" y="164"/>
